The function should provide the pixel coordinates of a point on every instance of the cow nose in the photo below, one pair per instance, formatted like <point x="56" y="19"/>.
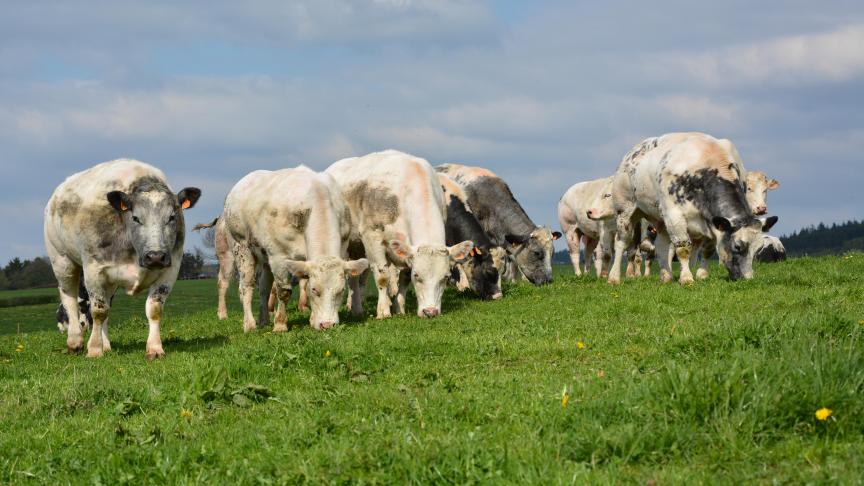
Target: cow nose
<point x="760" y="210"/>
<point x="430" y="312"/>
<point x="156" y="259"/>
<point x="589" y="212"/>
<point x="326" y="324"/>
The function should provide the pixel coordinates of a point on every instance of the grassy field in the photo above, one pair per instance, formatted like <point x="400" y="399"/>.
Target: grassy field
<point x="573" y="382"/>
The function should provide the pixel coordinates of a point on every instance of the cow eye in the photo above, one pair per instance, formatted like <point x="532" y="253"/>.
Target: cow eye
<point x="538" y="254"/>
<point x="316" y="291"/>
<point x="171" y="218"/>
<point x="135" y="218"/>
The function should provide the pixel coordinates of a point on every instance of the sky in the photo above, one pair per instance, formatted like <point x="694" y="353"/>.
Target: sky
<point x="544" y="93"/>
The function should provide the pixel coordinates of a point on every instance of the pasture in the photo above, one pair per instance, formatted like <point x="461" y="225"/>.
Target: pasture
<point x="577" y="381"/>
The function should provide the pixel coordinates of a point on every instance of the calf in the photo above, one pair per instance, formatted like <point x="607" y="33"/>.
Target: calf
<point x="287" y="223"/>
<point x="116" y="224"/>
<point x="482" y="272"/>
<point x="575" y="211"/>
<point x="397" y="208"/>
<point x="505" y="222"/>
<point x="691" y="185"/>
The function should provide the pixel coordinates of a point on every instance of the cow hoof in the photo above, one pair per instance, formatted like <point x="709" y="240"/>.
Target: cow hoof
<point x="154" y="354"/>
<point x="688" y="280"/>
<point x="665" y="277"/>
<point x="383" y="315"/>
<point x="94" y="352"/>
<point x="222" y="316"/>
<point x="614" y="281"/>
<point x="249" y="326"/>
<point x="280" y="327"/>
<point x="75" y="348"/>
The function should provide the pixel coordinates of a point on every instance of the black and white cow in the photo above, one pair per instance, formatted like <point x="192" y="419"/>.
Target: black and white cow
<point x="117" y="225"/>
<point x="482" y="272"/>
<point x="691" y="186"/>
<point x="506" y="223"/>
<point x="398" y="213"/>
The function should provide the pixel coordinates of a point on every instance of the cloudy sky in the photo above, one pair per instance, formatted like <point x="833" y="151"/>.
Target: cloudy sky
<point x="544" y="93"/>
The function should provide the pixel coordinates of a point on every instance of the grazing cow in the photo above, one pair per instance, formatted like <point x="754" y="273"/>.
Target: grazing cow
<point x="119" y="225"/>
<point x="287" y="223"/>
<point x="770" y="249"/>
<point x="506" y="223"/>
<point x="575" y="211"/>
<point x="691" y="186"/>
<point x="397" y="207"/>
<point x="758" y="185"/>
<point x="642" y="250"/>
<point x="482" y="272"/>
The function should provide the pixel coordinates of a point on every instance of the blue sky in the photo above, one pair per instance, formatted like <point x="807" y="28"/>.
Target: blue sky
<point x="545" y="93"/>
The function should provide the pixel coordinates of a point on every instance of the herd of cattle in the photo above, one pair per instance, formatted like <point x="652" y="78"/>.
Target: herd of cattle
<point x="392" y="214"/>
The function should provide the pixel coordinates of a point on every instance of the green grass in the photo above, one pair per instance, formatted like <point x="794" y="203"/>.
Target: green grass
<point x="14" y="298"/>
<point x="715" y="383"/>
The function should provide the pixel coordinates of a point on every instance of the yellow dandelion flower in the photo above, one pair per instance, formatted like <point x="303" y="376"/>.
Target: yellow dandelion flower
<point x="19" y="348"/>
<point x="327" y="354"/>
<point x="185" y="413"/>
<point x="565" y="398"/>
<point x="601" y="374"/>
<point x="861" y="322"/>
<point x="823" y="413"/>
<point x="580" y="345"/>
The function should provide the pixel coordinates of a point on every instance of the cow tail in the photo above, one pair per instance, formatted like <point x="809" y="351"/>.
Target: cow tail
<point x="201" y="226"/>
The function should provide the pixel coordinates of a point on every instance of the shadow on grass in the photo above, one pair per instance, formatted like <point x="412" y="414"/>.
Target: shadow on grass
<point x="173" y="345"/>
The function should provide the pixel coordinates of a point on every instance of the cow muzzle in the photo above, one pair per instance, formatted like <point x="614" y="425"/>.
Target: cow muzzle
<point x="155" y="259"/>
<point x="430" y="312"/>
<point x="760" y="210"/>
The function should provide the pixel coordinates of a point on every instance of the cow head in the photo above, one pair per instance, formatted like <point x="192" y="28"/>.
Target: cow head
<point x="153" y="218"/>
<point x="484" y="269"/>
<point x="601" y="207"/>
<point x="325" y="283"/>
<point x="533" y="253"/>
<point x="738" y="243"/>
<point x="758" y="184"/>
<point x="430" y="268"/>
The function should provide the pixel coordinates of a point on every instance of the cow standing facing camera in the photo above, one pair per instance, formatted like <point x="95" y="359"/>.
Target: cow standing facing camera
<point x="116" y="225"/>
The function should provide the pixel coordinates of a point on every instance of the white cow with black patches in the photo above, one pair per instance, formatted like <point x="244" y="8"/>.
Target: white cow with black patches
<point x="398" y="211"/>
<point x="691" y="186"/>
<point x="117" y="225"/>
<point x="290" y="223"/>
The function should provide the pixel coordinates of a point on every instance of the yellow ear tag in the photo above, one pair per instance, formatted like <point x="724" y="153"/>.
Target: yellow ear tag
<point x="123" y="206"/>
<point x="186" y="204"/>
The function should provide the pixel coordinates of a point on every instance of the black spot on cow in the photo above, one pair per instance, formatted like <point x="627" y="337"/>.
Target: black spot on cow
<point x="462" y="225"/>
<point x="713" y="196"/>
<point x="299" y="219"/>
<point x="769" y="254"/>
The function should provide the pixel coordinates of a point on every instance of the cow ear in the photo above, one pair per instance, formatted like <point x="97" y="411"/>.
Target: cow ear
<point x="355" y="267"/>
<point x="773" y="184"/>
<point x="460" y="251"/>
<point x="400" y="250"/>
<point x="768" y="223"/>
<point x="298" y="268"/>
<point x="556" y="235"/>
<point x="188" y="197"/>
<point x="515" y="240"/>
<point x="119" y="200"/>
<point x="722" y="223"/>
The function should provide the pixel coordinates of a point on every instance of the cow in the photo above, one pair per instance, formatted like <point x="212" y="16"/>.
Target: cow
<point x="482" y="272"/>
<point x="575" y="210"/>
<point x="505" y="222"/>
<point x="758" y="184"/>
<point x="398" y="212"/>
<point x="290" y="223"/>
<point x="116" y="225"/>
<point x="770" y="249"/>
<point x="691" y="185"/>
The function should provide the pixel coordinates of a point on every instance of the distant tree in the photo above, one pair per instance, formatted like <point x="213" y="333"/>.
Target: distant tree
<point x="14" y="266"/>
<point x="822" y="239"/>
<point x="4" y="282"/>
<point x="191" y="265"/>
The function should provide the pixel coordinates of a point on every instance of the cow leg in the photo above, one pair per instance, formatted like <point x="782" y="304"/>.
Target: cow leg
<point x="404" y="279"/>
<point x="223" y="280"/>
<point x="591" y="246"/>
<point x="637" y="263"/>
<point x="356" y="285"/>
<point x="265" y="284"/>
<point x="573" y="237"/>
<point x="664" y="250"/>
<point x="648" y="258"/>
<point x="68" y="279"/>
<point x="623" y="237"/>
<point x="156" y="298"/>
<point x="603" y="253"/>
<point x="282" y="290"/>
<point x="707" y="254"/>
<point x="272" y="299"/>
<point x="246" y="267"/>
<point x="462" y="284"/>
<point x="380" y="271"/>
<point x="676" y="227"/>
<point x="303" y="299"/>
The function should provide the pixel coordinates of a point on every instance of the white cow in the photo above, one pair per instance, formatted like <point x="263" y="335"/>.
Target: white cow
<point x="286" y="223"/>
<point x="398" y="211"/>
<point x="691" y="186"/>
<point x="574" y="208"/>
<point x="117" y="224"/>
